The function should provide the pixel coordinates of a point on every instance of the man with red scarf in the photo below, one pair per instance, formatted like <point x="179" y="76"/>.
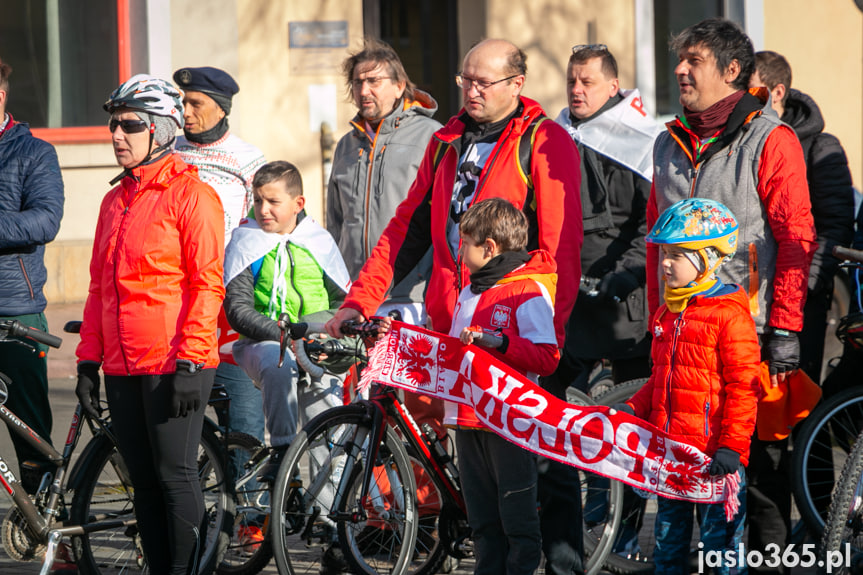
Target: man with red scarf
<point x="729" y="146"/>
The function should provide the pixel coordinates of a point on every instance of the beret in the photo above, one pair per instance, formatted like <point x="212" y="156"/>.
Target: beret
<point x="206" y="79"/>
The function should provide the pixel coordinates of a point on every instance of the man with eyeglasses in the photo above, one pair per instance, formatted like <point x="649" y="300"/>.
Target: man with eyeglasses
<point x="500" y="145"/>
<point x="728" y="145"/>
<point x="375" y="163"/>
<point x="31" y="204"/>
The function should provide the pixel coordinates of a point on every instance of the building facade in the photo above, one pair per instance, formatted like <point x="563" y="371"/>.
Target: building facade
<point x="286" y="57"/>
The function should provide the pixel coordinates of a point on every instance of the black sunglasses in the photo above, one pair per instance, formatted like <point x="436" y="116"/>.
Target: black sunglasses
<point x="128" y="126"/>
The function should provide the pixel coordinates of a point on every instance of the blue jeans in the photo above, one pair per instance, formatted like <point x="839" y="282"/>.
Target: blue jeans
<point x="247" y="404"/>
<point x="673" y="531"/>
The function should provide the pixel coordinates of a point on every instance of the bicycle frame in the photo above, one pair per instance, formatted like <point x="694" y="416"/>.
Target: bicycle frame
<point x="385" y="408"/>
<point x="38" y="524"/>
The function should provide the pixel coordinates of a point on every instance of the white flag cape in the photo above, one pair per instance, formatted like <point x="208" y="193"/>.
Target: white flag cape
<point x="249" y="243"/>
<point x="624" y="133"/>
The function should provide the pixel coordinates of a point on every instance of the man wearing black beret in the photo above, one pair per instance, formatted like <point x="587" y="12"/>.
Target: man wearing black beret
<point x="223" y="160"/>
<point x="228" y="164"/>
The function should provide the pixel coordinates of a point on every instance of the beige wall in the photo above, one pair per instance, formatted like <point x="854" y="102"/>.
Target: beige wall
<point x="249" y="39"/>
<point x="277" y="118"/>
<point x="548" y="29"/>
<point x="823" y="42"/>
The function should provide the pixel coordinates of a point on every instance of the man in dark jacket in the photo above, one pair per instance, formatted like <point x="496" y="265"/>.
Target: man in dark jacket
<point x="830" y="191"/>
<point x="31" y="206"/>
<point x="615" y="138"/>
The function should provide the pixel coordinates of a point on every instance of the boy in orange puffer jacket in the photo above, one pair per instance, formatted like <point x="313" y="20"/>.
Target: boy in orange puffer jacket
<point x="703" y="387"/>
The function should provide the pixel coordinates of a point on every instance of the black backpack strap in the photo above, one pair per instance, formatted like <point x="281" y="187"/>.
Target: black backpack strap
<point x="525" y="149"/>
<point x="525" y="165"/>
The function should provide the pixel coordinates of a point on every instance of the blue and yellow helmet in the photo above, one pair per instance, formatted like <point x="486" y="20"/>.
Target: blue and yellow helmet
<point x="694" y="224"/>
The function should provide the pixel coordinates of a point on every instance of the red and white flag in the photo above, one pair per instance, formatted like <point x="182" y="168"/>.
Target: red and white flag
<point x="619" y="446"/>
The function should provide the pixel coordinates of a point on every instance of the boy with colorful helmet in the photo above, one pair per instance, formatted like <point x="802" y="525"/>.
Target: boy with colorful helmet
<point x="704" y="382"/>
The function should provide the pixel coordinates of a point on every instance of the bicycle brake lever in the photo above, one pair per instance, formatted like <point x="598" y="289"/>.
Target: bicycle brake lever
<point x="284" y="324"/>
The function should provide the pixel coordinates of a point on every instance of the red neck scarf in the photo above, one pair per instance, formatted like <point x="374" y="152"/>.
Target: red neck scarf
<point x="10" y="122"/>
<point x="711" y="120"/>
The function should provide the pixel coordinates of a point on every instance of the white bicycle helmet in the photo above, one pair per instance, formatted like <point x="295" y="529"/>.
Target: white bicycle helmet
<point x="148" y="94"/>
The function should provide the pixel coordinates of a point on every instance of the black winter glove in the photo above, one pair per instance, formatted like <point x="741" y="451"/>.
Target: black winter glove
<point x="725" y="461"/>
<point x="186" y="395"/>
<point x="781" y="350"/>
<point x="87" y="388"/>
<point x="623" y="407"/>
<point x="617" y="285"/>
<point x="589" y="286"/>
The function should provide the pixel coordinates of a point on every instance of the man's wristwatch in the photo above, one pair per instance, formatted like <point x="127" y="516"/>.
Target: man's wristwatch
<point x="189" y="365"/>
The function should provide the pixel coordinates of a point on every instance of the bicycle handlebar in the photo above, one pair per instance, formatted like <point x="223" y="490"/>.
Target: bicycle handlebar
<point x="487" y="338"/>
<point x="848" y="254"/>
<point x="15" y="328"/>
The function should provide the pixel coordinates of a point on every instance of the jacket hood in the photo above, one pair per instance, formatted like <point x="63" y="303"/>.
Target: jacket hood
<point x="456" y="126"/>
<point x="803" y="114"/>
<point x="423" y="105"/>
<point x="730" y="293"/>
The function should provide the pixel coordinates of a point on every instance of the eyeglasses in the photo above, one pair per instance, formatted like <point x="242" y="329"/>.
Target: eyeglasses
<point x="596" y="47"/>
<point x="465" y="83"/>
<point x="128" y="126"/>
<point x="373" y="82"/>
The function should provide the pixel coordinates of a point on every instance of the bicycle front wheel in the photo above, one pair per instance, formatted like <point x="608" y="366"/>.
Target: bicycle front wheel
<point x="821" y="447"/>
<point x="845" y="519"/>
<point x="319" y="516"/>
<point x="106" y="493"/>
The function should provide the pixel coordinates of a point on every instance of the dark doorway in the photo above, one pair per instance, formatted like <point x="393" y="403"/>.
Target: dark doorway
<point x="425" y="35"/>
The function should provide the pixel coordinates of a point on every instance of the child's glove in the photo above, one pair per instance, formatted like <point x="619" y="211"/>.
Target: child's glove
<point x="623" y="407"/>
<point x="87" y="388"/>
<point x="725" y="461"/>
<point x="186" y="392"/>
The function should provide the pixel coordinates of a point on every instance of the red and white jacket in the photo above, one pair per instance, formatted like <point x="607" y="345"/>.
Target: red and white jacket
<point x="420" y="221"/>
<point x="520" y="306"/>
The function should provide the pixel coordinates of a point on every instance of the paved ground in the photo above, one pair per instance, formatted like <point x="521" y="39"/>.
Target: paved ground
<point x="61" y="367"/>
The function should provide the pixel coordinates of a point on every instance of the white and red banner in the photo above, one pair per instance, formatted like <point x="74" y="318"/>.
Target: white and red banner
<point x="618" y="446"/>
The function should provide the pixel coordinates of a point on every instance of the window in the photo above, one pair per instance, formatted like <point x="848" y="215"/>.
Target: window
<point x="66" y="58"/>
<point x="670" y="18"/>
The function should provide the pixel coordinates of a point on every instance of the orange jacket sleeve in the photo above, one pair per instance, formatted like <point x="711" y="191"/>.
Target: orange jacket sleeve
<point x="784" y="192"/>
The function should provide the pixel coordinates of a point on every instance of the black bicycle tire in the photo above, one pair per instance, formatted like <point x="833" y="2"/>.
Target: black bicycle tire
<point x="101" y="456"/>
<point x="597" y="548"/>
<point x="261" y="557"/>
<point x="286" y="494"/>
<point x="614" y="562"/>
<point x="847" y="490"/>
<point x="437" y="554"/>
<point x="401" y="462"/>
<point x="827" y="412"/>
<point x="620" y="392"/>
